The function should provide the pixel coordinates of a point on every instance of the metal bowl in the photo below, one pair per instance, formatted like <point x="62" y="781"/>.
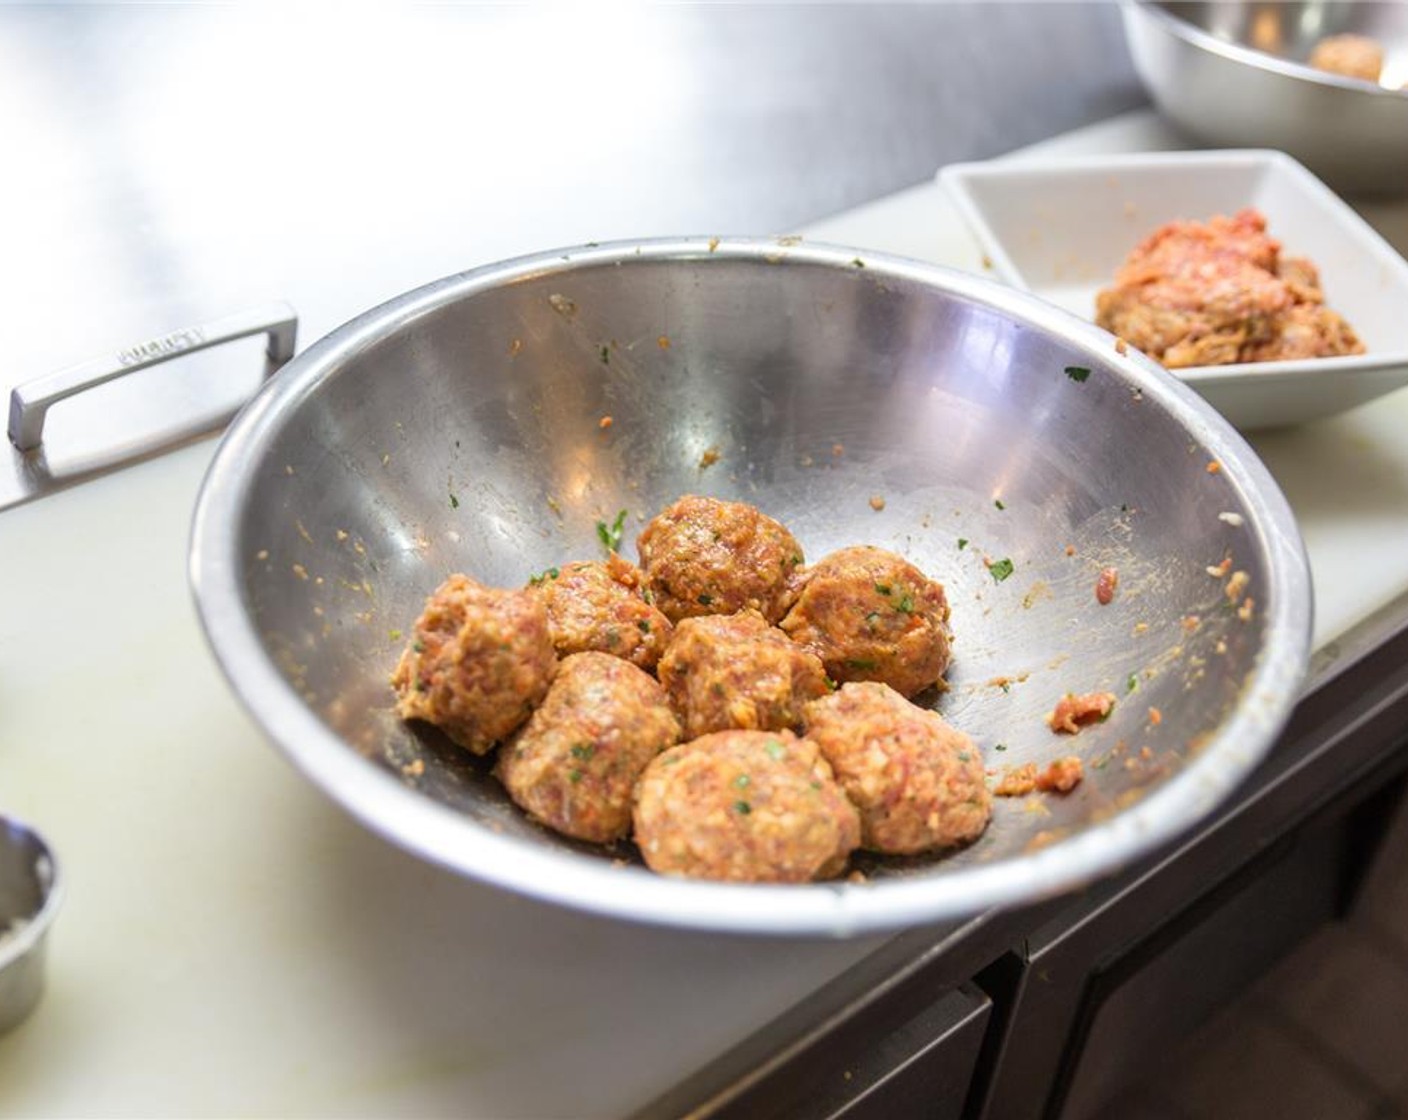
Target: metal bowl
<point x="1235" y="74"/>
<point x="463" y="426"/>
<point x="30" y="894"/>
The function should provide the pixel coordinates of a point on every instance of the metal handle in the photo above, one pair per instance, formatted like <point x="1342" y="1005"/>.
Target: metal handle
<point x="30" y="402"/>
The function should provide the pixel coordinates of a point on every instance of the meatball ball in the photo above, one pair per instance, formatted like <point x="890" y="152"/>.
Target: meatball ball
<point x="706" y="556"/>
<point x="478" y="662"/>
<point x="749" y="806"/>
<point x="574" y="765"/>
<point x="917" y="781"/>
<point x="596" y="605"/>
<point x="737" y="671"/>
<point x="873" y="616"/>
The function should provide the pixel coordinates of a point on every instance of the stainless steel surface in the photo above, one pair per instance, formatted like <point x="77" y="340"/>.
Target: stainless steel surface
<point x="30" y="402"/>
<point x="457" y="428"/>
<point x="29" y="898"/>
<point x="1235" y="75"/>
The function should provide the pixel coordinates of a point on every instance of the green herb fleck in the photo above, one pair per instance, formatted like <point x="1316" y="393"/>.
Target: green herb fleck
<point x="775" y="749"/>
<point x="574" y="776"/>
<point x="1132" y="683"/>
<point x="831" y="685"/>
<point x="796" y="561"/>
<point x="704" y="600"/>
<point x="998" y="503"/>
<point x="1006" y="686"/>
<point x="962" y="543"/>
<point x="583" y="750"/>
<point x="741" y="782"/>
<point x="606" y="355"/>
<point x="1000" y="747"/>
<point x="1077" y="373"/>
<point x="454" y="502"/>
<point x="418" y="646"/>
<point x="743" y="807"/>
<point x="857" y="262"/>
<point x="905" y="605"/>
<point x="1000" y="569"/>
<point x="543" y="576"/>
<point x="964" y="756"/>
<point x="394" y="635"/>
<point x="871" y="617"/>
<point x="610" y="536"/>
<point x="859" y="663"/>
<point x="644" y="625"/>
<point x="883" y="588"/>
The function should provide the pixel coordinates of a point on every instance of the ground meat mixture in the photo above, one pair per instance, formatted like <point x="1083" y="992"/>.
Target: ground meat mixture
<point x="1060" y="776"/>
<point x="736" y="671"/>
<point x="575" y="764"/>
<point x="596" y="605"/>
<point x="744" y="806"/>
<point x="1074" y="712"/>
<point x="704" y="556"/>
<point x="870" y="615"/>
<point x="1202" y="294"/>
<point x="918" y="782"/>
<point x="479" y="660"/>
<point x="1352" y="56"/>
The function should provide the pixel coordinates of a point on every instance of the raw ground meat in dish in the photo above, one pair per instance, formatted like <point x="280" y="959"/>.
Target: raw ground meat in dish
<point x="1073" y="712"/>
<point x="705" y="556"/>
<point x="918" y="783"/>
<point x="1218" y="292"/>
<point x="736" y="671"/>
<point x="574" y="765"/>
<point x="871" y="615"/>
<point x="1350" y="56"/>
<point x="599" y="605"/>
<point x="744" y="806"/>
<point x="478" y="662"/>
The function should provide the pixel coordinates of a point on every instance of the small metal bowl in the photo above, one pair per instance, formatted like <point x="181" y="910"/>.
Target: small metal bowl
<point x="1236" y="75"/>
<point x="29" y="898"/>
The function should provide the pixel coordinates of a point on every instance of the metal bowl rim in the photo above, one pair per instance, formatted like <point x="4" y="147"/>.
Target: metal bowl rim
<point x="452" y="839"/>
<point x="1262" y="60"/>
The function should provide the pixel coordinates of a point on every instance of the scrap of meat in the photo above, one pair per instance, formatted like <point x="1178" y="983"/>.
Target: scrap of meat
<point x="1073" y="712"/>
<point x="1351" y="56"/>
<point x="1060" y="776"/>
<point x="1218" y="292"/>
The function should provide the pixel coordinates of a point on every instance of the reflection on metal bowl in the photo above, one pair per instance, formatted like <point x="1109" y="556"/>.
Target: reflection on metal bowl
<point x="1017" y="453"/>
<point x="1238" y="74"/>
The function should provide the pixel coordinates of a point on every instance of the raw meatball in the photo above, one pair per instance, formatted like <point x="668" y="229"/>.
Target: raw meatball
<point x="873" y="616"/>
<point x="737" y="671"/>
<point x="918" y="782"/>
<point x="749" y="806"/>
<point x="596" y="605"/>
<point x="575" y="764"/>
<point x="478" y="662"/>
<point x="1354" y="56"/>
<point x="706" y="556"/>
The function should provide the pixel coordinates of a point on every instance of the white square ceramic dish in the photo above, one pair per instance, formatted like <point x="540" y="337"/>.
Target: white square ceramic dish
<point x="1060" y="228"/>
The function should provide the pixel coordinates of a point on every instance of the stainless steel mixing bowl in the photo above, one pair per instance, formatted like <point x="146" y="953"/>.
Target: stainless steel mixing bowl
<point x="463" y="427"/>
<point x="1235" y="74"/>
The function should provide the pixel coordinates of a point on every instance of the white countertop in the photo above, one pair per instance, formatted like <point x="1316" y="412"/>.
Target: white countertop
<point x="233" y="944"/>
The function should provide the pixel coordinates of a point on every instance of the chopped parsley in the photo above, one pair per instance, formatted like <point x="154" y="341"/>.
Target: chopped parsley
<point x="418" y="646"/>
<point x="610" y="535"/>
<point x="394" y="635"/>
<point x="962" y="543"/>
<point x="1132" y="683"/>
<point x="644" y="625"/>
<point x="859" y="663"/>
<point x="1000" y="569"/>
<point x="883" y="588"/>
<point x="743" y="807"/>
<point x="454" y="502"/>
<point x="905" y="605"/>
<point x="1077" y="373"/>
<point x="741" y="782"/>
<point x="583" y="750"/>
<point x="574" y="776"/>
<point x="775" y="749"/>
<point x="1000" y="747"/>
<point x="606" y="355"/>
<point x="998" y="503"/>
<point x="857" y="262"/>
<point x="543" y="576"/>
<point x="705" y="599"/>
<point x="964" y="756"/>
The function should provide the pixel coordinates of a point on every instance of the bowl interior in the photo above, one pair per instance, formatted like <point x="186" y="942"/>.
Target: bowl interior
<point x="487" y="424"/>
<point x="1290" y="31"/>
